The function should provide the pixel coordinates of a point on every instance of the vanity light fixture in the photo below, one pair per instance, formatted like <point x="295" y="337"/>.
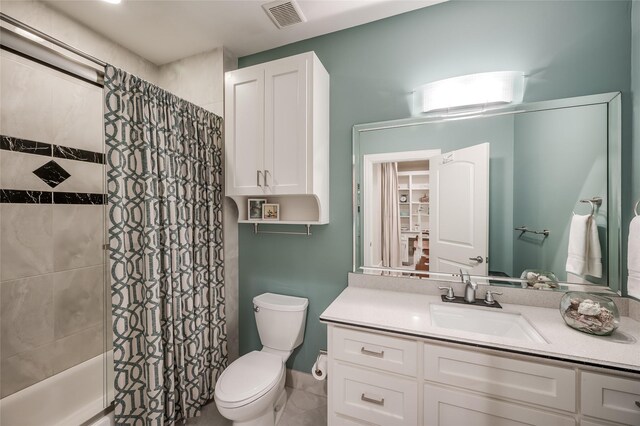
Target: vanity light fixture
<point x="471" y="91"/>
<point x="113" y="1"/>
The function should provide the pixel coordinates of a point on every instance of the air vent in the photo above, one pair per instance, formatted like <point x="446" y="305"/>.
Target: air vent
<point x="284" y="13"/>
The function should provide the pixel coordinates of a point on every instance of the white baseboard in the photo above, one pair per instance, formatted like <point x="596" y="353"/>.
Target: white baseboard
<point x="305" y="381"/>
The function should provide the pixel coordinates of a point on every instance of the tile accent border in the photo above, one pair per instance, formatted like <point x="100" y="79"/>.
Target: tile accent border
<point x="25" y="146"/>
<point x="25" y="197"/>
<point x="12" y="196"/>
<point x="8" y="143"/>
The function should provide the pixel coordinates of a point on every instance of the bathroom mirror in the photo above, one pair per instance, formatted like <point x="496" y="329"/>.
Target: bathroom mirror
<point x="527" y="195"/>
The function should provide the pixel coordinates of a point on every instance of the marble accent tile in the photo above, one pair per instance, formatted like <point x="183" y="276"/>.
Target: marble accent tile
<point x="27" y="368"/>
<point x="8" y="143"/>
<point x="78" y="154"/>
<point x="305" y="382"/>
<point x="85" y="177"/>
<point x="16" y="171"/>
<point x="26" y="314"/>
<point x="52" y="173"/>
<point x="78" y="300"/>
<point x="78" y="198"/>
<point x="9" y="196"/>
<point x="26" y="246"/>
<point x="78" y="236"/>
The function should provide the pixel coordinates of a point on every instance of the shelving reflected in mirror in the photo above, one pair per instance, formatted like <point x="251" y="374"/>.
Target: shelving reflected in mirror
<point x="527" y="195"/>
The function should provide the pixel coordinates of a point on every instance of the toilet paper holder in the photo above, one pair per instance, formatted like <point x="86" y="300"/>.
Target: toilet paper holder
<point x="320" y="353"/>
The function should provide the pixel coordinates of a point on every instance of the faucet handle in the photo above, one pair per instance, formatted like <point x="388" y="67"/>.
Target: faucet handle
<point x="449" y="295"/>
<point x="489" y="299"/>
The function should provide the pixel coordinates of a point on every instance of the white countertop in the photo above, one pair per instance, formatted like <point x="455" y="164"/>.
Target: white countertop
<point x="408" y="313"/>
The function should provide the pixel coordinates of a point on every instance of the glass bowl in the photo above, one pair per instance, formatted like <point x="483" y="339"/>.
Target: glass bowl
<point x="540" y="279"/>
<point x="589" y="313"/>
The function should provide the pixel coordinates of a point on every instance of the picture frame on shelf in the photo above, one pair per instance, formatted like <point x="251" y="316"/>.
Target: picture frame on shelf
<point x="254" y="208"/>
<point x="270" y="211"/>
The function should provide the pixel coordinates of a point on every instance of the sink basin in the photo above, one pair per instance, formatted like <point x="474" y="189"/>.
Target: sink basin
<point x="501" y="324"/>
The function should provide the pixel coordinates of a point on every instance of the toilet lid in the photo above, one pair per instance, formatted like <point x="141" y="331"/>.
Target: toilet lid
<point x="248" y="378"/>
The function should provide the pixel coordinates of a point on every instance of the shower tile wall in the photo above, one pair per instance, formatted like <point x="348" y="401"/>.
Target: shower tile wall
<point x="51" y="223"/>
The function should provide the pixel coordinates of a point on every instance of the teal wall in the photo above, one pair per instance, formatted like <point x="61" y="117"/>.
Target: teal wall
<point x="567" y="48"/>
<point x="548" y="143"/>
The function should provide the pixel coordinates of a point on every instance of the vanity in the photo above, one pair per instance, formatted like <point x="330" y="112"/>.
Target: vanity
<point x="484" y="197"/>
<point x="390" y="365"/>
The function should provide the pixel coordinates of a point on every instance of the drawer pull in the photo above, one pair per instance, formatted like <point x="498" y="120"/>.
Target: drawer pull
<point x="372" y="400"/>
<point x="377" y="354"/>
<point x="638" y="403"/>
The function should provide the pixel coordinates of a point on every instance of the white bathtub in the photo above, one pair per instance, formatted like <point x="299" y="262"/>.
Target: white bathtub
<point x="67" y="399"/>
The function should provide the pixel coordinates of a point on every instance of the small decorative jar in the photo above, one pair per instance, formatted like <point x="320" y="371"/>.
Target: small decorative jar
<point x="589" y="313"/>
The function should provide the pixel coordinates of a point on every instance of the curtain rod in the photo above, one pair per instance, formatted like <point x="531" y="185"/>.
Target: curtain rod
<point x="50" y="39"/>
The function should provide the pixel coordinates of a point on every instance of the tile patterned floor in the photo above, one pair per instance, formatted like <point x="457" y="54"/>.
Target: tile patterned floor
<point x="302" y="409"/>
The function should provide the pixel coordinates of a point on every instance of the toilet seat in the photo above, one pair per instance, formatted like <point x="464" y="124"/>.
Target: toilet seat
<point x="248" y="378"/>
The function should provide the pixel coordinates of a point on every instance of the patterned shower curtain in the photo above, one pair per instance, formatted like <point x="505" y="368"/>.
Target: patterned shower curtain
<point x="164" y="183"/>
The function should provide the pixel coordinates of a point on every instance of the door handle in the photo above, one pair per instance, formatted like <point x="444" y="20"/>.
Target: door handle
<point x="266" y="185"/>
<point x="258" y="173"/>
<point x="477" y="259"/>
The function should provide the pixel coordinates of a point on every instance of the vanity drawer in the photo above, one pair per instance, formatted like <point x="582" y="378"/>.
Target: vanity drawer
<point x="448" y="407"/>
<point x="379" y="398"/>
<point x="392" y="354"/>
<point x="611" y="398"/>
<point x="518" y="380"/>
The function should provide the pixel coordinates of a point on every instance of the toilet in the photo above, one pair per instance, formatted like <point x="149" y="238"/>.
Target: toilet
<point x="250" y="392"/>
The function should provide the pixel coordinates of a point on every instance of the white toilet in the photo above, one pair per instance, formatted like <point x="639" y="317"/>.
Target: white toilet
<point x="251" y="390"/>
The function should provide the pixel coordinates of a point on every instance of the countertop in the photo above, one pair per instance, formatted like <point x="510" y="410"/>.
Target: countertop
<point x="408" y="313"/>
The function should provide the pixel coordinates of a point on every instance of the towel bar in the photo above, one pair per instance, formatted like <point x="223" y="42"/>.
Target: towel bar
<point x="257" y="231"/>
<point x="524" y="229"/>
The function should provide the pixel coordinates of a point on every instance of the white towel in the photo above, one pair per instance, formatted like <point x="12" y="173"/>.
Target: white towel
<point x="633" y="258"/>
<point x="584" y="254"/>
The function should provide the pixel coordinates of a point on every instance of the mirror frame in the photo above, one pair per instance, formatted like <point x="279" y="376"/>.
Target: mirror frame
<point x="614" y="176"/>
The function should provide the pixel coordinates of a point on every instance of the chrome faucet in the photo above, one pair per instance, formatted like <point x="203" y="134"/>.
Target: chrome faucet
<point x="470" y="287"/>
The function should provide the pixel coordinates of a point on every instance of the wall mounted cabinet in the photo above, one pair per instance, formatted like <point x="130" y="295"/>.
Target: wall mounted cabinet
<point x="277" y="137"/>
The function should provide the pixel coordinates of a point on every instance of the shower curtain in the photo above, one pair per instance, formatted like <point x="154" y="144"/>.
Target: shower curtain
<point x="164" y="183"/>
<point x="391" y="256"/>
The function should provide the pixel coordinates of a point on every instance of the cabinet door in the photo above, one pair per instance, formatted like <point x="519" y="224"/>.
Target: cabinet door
<point x="286" y="126"/>
<point x="244" y="131"/>
<point x="447" y="407"/>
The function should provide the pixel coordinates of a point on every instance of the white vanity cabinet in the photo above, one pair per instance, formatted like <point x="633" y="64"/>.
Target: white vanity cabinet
<point x="379" y="378"/>
<point x="277" y="137"/>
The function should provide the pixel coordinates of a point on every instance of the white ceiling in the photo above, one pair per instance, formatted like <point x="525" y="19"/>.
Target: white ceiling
<point x="165" y="31"/>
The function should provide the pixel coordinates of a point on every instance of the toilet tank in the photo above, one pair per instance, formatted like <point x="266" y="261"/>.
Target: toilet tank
<point x="281" y="320"/>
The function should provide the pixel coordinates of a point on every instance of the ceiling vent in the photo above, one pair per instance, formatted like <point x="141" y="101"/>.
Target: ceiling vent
<point x="284" y="13"/>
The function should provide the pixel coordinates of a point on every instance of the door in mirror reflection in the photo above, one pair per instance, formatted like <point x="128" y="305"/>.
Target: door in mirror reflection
<point x="460" y="210"/>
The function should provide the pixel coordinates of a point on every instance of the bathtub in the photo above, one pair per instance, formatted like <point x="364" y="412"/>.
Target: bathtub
<point x="67" y="399"/>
